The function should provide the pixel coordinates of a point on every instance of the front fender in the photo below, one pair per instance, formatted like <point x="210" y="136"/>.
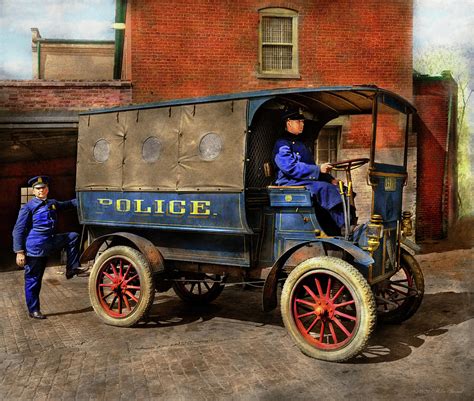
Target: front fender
<point x="269" y="301"/>
<point x="409" y="246"/>
<point x="151" y="253"/>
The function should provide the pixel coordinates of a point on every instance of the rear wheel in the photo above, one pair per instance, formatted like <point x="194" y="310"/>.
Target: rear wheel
<point x="400" y="296"/>
<point x="121" y="287"/>
<point x="198" y="288"/>
<point x="328" y="308"/>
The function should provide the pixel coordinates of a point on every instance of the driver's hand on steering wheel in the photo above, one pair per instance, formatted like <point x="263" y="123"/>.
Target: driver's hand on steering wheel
<point x="326" y="167"/>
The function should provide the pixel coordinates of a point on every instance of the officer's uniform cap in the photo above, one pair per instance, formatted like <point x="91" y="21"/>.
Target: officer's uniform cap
<point x="40" y="181"/>
<point x="292" y="114"/>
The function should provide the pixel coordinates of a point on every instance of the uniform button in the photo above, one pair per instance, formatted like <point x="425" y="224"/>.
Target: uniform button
<point x="297" y="153"/>
<point x="293" y="143"/>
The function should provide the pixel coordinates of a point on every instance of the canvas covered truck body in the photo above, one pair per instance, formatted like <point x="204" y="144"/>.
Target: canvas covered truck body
<point x="180" y="194"/>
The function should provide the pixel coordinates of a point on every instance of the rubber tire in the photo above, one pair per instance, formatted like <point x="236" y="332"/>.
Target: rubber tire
<point x="196" y="299"/>
<point x="365" y="305"/>
<point x="147" y="286"/>
<point x="409" y="307"/>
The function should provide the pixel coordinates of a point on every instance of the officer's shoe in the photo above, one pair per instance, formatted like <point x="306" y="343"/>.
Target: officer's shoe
<point x="37" y="315"/>
<point x="75" y="272"/>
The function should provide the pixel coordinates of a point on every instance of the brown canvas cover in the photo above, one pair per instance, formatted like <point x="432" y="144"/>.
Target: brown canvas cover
<point x="175" y="161"/>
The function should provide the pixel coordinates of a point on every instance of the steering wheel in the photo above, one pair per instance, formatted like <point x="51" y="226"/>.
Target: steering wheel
<point x="350" y="164"/>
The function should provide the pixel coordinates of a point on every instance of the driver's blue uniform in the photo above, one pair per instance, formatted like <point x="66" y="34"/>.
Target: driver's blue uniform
<point x="295" y="166"/>
<point x="35" y="233"/>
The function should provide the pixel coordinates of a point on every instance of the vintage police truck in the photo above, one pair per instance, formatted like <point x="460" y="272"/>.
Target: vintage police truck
<point x="180" y="195"/>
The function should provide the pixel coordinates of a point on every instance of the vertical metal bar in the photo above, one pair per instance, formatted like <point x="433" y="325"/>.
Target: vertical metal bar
<point x="405" y="154"/>
<point x="399" y="248"/>
<point x="374" y="129"/>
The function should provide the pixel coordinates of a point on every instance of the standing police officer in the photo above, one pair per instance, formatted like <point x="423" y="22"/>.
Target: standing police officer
<point x="35" y="238"/>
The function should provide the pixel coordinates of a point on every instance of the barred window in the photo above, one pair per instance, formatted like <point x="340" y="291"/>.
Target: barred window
<point x="278" y="56"/>
<point x="326" y="146"/>
<point x="26" y="194"/>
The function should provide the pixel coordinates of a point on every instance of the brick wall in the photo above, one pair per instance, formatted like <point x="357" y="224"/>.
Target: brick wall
<point x="435" y="99"/>
<point x="26" y="96"/>
<point x="69" y="95"/>
<point x="186" y="49"/>
<point x="13" y="176"/>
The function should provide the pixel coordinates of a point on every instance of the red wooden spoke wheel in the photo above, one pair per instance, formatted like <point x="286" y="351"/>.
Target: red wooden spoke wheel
<point x="400" y="296"/>
<point x="328" y="308"/>
<point x="325" y="318"/>
<point x="121" y="287"/>
<point x="198" y="288"/>
<point x="118" y="287"/>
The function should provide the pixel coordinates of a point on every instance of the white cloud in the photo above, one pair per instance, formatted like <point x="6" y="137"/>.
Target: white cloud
<point x="439" y="23"/>
<point x="55" y="19"/>
<point x="73" y="19"/>
<point x="15" y="69"/>
<point x="82" y="29"/>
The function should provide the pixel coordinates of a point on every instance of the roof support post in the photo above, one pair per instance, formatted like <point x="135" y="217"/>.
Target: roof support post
<point x="374" y="128"/>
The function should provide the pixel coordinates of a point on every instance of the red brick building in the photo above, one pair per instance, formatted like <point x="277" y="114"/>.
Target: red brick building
<point x="183" y="49"/>
<point x="436" y="208"/>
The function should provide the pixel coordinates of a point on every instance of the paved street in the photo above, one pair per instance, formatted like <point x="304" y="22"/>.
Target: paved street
<point x="230" y="350"/>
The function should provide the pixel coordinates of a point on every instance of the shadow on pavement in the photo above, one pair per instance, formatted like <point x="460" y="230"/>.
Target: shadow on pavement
<point x="438" y="314"/>
<point x="170" y="311"/>
<point x="71" y="312"/>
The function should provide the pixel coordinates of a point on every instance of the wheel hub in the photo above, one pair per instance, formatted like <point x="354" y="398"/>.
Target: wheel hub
<point x="324" y="310"/>
<point x="119" y="286"/>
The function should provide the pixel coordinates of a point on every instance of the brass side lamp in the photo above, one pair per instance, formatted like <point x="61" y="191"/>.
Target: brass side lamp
<point x="407" y="225"/>
<point x="374" y="232"/>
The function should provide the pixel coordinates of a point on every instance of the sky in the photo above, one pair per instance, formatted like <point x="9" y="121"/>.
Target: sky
<point x="55" y="19"/>
<point x="443" y="23"/>
<point x="436" y="23"/>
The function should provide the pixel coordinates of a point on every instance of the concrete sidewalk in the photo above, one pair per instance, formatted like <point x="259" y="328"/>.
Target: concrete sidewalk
<point x="230" y="350"/>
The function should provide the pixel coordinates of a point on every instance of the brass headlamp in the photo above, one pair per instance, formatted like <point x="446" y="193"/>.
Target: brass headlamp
<point x="374" y="232"/>
<point x="407" y="225"/>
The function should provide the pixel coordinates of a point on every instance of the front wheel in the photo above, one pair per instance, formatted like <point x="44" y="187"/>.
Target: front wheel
<point x="328" y="308"/>
<point x="400" y="296"/>
<point x="121" y="287"/>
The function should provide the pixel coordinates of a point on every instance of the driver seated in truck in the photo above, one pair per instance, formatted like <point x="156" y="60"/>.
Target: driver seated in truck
<point x="295" y="166"/>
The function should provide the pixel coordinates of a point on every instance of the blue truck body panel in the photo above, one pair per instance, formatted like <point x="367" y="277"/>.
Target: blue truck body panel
<point x="202" y="212"/>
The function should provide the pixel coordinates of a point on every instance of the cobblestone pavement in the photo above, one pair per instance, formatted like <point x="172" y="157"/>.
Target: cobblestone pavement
<point x="230" y="350"/>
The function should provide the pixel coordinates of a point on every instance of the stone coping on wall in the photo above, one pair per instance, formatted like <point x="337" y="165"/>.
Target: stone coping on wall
<point x="69" y="83"/>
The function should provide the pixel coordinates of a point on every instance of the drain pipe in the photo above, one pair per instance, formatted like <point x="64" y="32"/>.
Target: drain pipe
<point x="445" y="197"/>
<point x="119" y="26"/>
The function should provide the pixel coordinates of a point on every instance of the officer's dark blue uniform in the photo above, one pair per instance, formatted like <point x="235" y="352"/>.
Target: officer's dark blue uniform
<point x="295" y="166"/>
<point x="35" y="234"/>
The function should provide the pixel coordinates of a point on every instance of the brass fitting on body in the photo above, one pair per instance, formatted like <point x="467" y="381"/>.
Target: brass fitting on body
<point x="374" y="232"/>
<point x="407" y="225"/>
